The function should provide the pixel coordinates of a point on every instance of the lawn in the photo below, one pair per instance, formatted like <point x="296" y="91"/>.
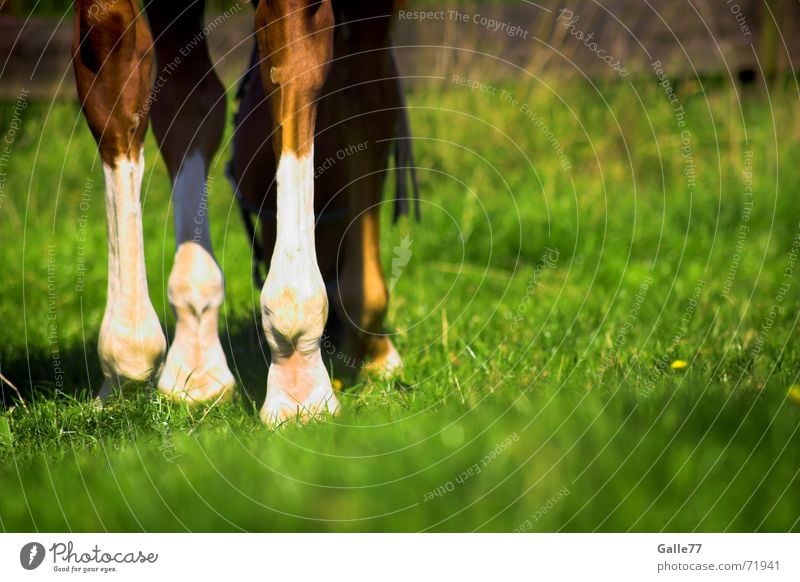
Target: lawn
<point x="598" y="320"/>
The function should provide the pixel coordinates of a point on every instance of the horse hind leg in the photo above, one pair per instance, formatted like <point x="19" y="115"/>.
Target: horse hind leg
<point x="371" y="102"/>
<point x="188" y="117"/>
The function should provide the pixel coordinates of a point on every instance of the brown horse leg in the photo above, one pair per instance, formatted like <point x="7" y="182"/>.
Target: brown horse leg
<point x="371" y="101"/>
<point x="111" y="49"/>
<point x="295" y="44"/>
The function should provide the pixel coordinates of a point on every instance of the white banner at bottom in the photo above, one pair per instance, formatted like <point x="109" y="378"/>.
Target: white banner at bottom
<point x="400" y="557"/>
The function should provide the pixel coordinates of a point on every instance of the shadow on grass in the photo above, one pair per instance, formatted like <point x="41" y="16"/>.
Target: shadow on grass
<point x="74" y="371"/>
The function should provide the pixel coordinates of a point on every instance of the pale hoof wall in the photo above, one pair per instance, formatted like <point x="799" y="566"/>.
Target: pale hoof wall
<point x="386" y="362"/>
<point x="297" y="393"/>
<point x="197" y="386"/>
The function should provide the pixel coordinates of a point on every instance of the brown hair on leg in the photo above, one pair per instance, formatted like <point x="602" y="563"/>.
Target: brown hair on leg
<point x="113" y="63"/>
<point x="369" y="103"/>
<point x="295" y="43"/>
<point x="111" y="51"/>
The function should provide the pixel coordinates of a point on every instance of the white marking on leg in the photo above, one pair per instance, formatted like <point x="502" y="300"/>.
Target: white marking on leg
<point x="294" y="303"/>
<point x="196" y="368"/>
<point x="131" y="342"/>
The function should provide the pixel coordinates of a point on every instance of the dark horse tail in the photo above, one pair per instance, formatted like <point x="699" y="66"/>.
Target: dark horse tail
<point x="404" y="167"/>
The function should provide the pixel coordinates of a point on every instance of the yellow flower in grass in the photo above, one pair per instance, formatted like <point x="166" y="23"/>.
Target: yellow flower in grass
<point x="794" y="394"/>
<point x="337" y="384"/>
<point x="679" y="365"/>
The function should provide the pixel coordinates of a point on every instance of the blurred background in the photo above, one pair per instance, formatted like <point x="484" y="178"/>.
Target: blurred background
<point x="703" y="38"/>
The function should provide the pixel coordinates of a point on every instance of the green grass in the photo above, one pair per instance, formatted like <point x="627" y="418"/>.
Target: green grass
<point x="567" y="379"/>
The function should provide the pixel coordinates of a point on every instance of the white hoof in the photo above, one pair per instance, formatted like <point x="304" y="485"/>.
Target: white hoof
<point x="298" y="388"/>
<point x="196" y="369"/>
<point x="385" y="361"/>
<point x="130" y="349"/>
<point x="195" y="374"/>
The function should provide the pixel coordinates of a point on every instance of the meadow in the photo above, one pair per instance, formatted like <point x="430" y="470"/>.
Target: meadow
<point x="598" y="320"/>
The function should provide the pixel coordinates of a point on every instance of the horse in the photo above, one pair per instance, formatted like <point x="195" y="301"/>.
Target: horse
<point x="321" y="114"/>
